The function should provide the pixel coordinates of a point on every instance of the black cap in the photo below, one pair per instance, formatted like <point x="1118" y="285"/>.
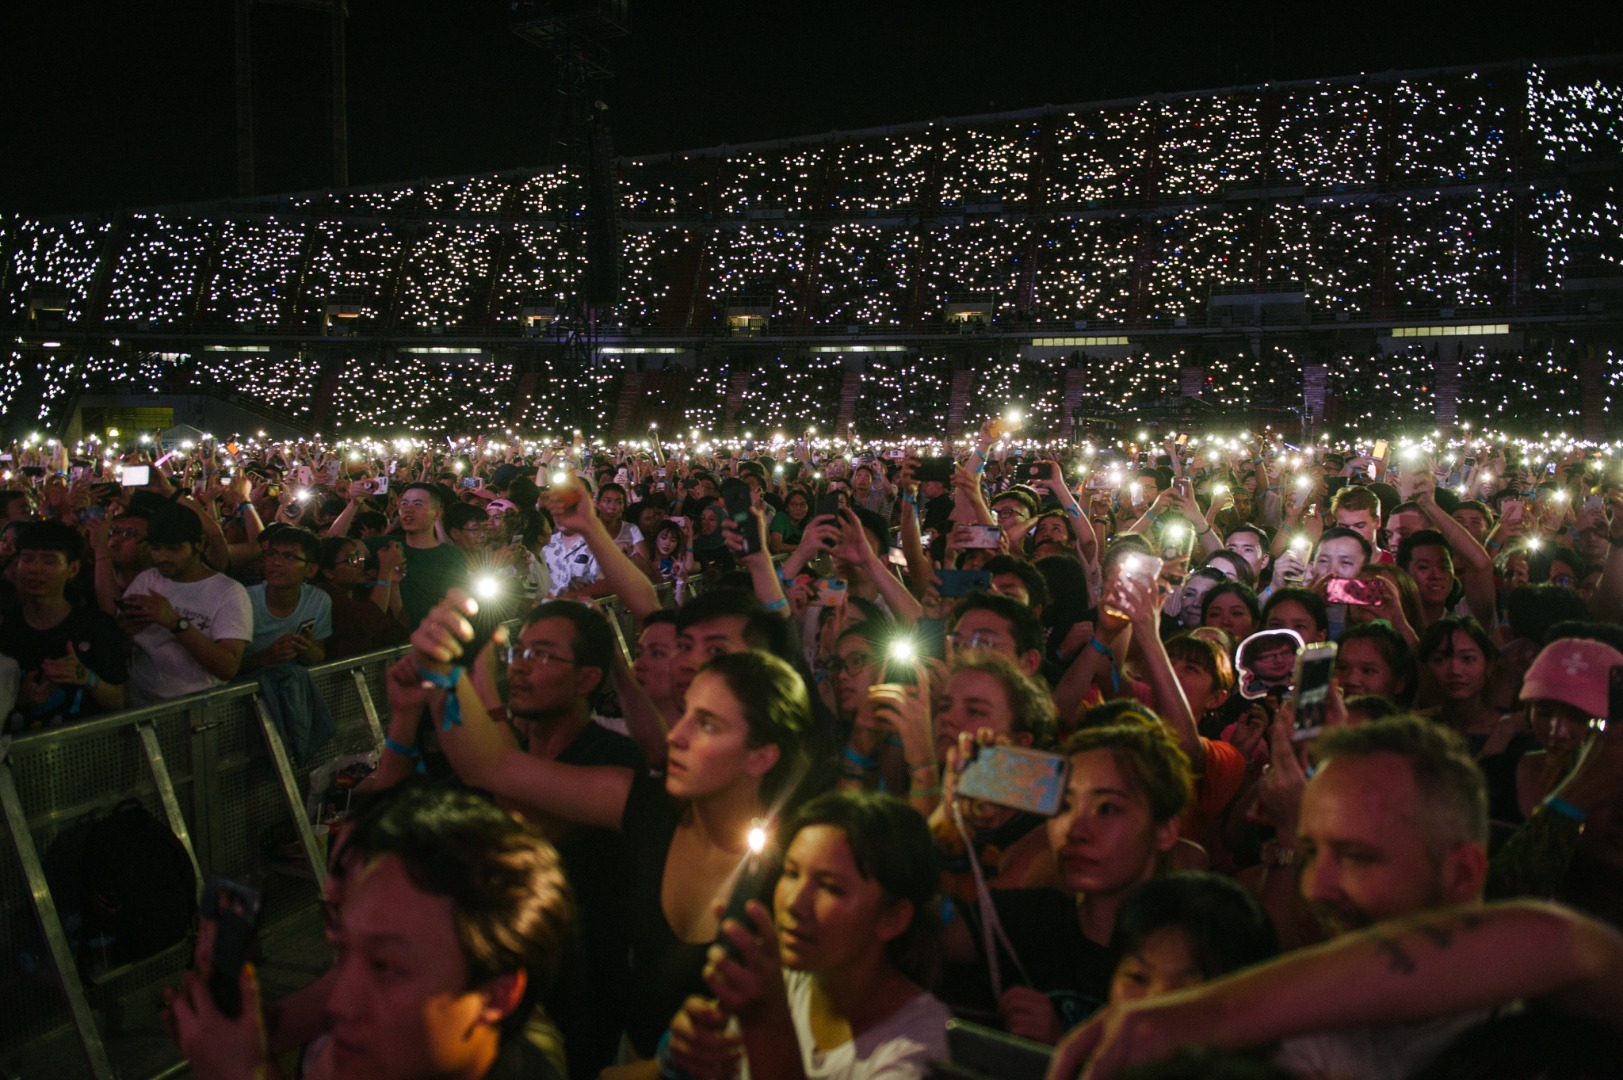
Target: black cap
<point x="173" y="525"/>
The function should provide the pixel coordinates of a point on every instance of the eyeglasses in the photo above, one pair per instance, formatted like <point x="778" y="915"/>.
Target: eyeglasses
<point x="356" y="559"/>
<point x="127" y="534"/>
<point x="854" y="662"/>
<point x="538" y="656"/>
<point x="1006" y="512"/>
<point x="980" y="639"/>
<point x="284" y="556"/>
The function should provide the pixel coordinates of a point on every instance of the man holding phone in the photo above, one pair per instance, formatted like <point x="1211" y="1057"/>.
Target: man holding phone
<point x="292" y="618"/>
<point x="189" y="623"/>
<point x="433" y="567"/>
<point x="453" y="919"/>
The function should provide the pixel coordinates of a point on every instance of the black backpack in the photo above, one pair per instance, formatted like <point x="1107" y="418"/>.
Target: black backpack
<point x="137" y="885"/>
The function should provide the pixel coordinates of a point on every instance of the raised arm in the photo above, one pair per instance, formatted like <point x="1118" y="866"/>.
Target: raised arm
<point x="1439" y="964"/>
<point x="1473" y="562"/>
<point x="473" y="742"/>
<point x="627" y="581"/>
<point x="1170" y="703"/>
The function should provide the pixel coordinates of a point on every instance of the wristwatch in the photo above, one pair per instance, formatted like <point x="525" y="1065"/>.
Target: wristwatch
<point x="182" y="625"/>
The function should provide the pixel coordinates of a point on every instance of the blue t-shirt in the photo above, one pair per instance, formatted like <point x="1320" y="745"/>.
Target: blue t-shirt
<point x="313" y="606"/>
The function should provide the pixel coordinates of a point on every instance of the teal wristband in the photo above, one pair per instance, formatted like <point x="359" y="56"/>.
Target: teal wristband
<point x="866" y="764"/>
<point x="453" y="707"/>
<point x="1561" y="806"/>
<point x="409" y="752"/>
<point x="777" y="605"/>
<point x="662" y="1056"/>
<point x="1074" y="510"/>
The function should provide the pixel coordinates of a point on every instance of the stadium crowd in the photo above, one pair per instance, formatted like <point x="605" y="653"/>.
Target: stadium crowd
<point x="1293" y="753"/>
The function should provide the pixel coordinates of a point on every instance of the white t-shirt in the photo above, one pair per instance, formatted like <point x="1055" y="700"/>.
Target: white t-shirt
<point x="314" y="606"/>
<point x="628" y="537"/>
<point x="161" y="668"/>
<point x="899" y="1048"/>
<point x="570" y="563"/>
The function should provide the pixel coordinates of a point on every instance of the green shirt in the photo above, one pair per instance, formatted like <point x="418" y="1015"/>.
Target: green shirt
<point x="430" y="573"/>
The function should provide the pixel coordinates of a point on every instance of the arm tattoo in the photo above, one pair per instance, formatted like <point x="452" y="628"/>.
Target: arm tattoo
<point x="1440" y="935"/>
<point x="1397" y="958"/>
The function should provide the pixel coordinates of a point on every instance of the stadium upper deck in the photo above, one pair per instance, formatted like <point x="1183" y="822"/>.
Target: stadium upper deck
<point x="1487" y="195"/>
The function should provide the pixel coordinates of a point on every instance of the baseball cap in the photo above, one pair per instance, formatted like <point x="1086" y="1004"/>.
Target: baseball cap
<point x="1573" y="671"/>
<point x="504" y="475"/>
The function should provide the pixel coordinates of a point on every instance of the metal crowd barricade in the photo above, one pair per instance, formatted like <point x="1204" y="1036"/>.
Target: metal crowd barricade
<point x="214" y="767"/>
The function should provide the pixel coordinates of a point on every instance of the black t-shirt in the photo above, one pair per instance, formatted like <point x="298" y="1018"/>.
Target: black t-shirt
<point x="99" y="644"/>
<point x="665" y="970"/>
<point x="1043" y="927"/>
<point x="430" y="574"/>
<point x="593" y="971"/>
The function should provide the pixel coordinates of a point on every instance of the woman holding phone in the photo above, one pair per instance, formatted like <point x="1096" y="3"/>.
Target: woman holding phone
<point x="789" y="524"/>
<point x="829" y="983"/>
<point x="1128" y="784"/>
<point x="733" y="757"/>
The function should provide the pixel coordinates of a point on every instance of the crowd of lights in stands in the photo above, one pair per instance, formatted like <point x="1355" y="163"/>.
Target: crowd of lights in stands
<point x="541" y="267"/>
<point x="862" y="276"/>
<point x="792" y="395"/>
<point x="444" y="276"/>
<point x="1416" y="197"/>
<point x="62" y="257"/>
<point x="11" y="378"/>
<point x="417" y="394"/>
<point x="256" y="274"/>
<point x="353" y="262"/>
<point x="909" y="396"/>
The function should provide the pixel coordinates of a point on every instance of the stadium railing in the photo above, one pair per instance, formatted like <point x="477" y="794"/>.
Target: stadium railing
<point x="215" y="769"/>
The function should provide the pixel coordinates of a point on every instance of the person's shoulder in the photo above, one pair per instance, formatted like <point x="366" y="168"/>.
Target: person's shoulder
<point x="651" y="811"/>
<point x="599" y="745"/>
<point x="145" y="581"/>
<point x="83" y="617"/>
<point x="521" y="1059"/>
<point x="1030" y="906"/>
<point x="224" y="583"/>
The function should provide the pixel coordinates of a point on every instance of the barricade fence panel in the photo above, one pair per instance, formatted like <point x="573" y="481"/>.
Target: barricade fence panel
<point x="236" y="818"/>
<point x="234" y="810"/>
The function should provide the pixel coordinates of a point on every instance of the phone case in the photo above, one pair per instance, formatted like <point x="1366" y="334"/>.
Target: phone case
<point x="1012" y="776"/>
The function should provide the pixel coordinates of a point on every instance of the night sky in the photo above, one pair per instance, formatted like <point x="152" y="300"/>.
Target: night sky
<point x="132" y="104"/>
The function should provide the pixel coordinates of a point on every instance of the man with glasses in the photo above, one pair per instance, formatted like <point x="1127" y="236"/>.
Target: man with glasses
<point x="468" y="528"/>
<point x="121" y="553"/>
<point x="189" y="623"/>
<point x="999" y="624"/>
<point x="1016" y="512"/>
<point x="556" y="668"/>
<point x="292" y="618"/>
